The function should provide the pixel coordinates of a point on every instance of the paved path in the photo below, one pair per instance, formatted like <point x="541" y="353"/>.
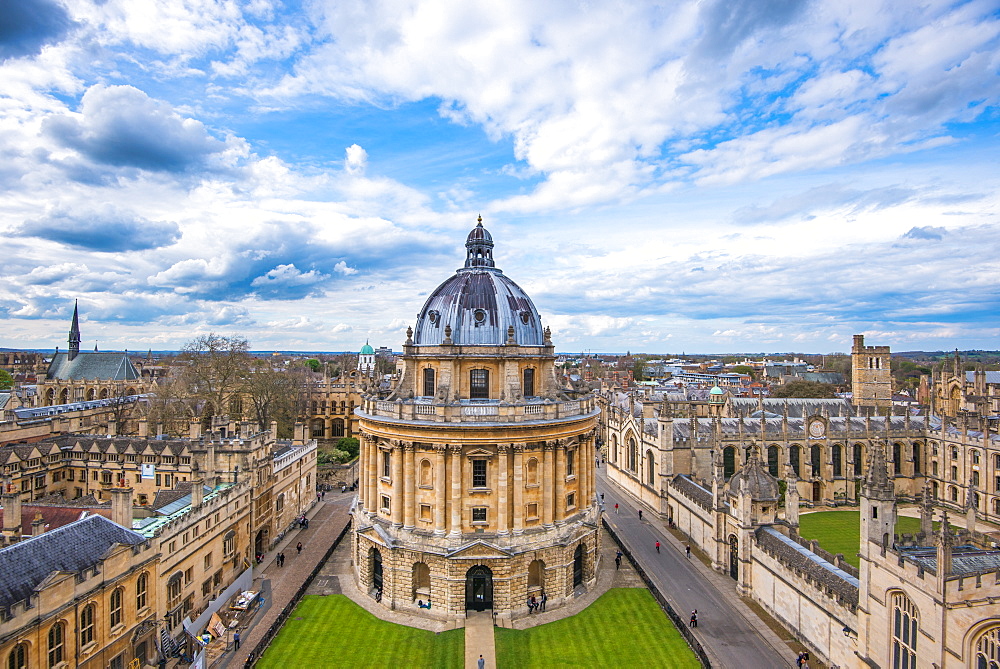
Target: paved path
<point x="326" y="520"/>
<point x="479" y="640"/>
<point x="730" y="632"/>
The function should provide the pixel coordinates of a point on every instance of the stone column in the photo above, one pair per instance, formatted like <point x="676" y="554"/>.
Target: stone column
<point x="559" y="499"/>
<point x="440" y="490"/>
<point x="456" y="490"/>
<point x="409" y="485"/>
<point x="503" y="524"/>
<point x="376" y="475"/>
<point x="362" y="473"/>
<point x="548" y="485"/>
<point x="585" y="469"/>
<point x="518" y="488"/>
<point x="397" y="484"/>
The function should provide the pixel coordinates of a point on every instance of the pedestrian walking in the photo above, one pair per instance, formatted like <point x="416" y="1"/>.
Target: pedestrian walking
<point x="687" y="551"/>
<point x="322" y="495"/>
<point x="618" y="560"/>
<point x="298" y="547"/>
<point x="544" y="599"/>
<point x="236" y="640"/>
<point x="481" y="664"/>
<point x="616" y="507"/>
<point x="640" y="514"/>
<point x="694" y="618"/>
<point x="657" y="546"/>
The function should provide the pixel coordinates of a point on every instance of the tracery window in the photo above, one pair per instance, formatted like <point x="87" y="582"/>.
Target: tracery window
<point x="116" y="608"/>
<point x="141" y="587"/>
<point x="904" y="632"/>
<point x="632" y="454"/>
<point x="650" y="469"/>
<point x="18" y="658"/>
<point x="87" y="624"/>
<point x="772" y="461"/>
<point x="56" y="642"/>
<point x="988" y="650"/>
<point x="837" y="464"/>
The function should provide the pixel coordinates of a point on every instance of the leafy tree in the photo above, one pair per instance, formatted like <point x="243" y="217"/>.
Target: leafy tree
<point x="349" y="445"/>
<point x="639" y="369"/>
<point x="6" y="380"/>
<point x="744" y="369"/>
<point x="313" y="364"/>
<point x="803" y="388"/>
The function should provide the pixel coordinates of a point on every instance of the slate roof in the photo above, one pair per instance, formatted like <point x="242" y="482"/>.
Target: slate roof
<point x="798" y="407"/>
<point x="73" y="548"/>
<point x="92" y="365"/>
<point x="692" y="490"/>
<point x="964" y="559"/>
<point x="991" y="376"/>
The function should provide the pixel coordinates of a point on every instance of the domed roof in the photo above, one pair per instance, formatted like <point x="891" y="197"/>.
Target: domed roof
<point x="716" y="390"/>
<point x="367" y="349"/>
<point x="763" y="487"/>
<point x="479" y="303"/>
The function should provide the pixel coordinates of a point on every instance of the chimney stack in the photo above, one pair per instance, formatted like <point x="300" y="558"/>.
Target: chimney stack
<point x="121" y="507"/>
<point x="143" y="428"/>
<point x="11" y="501"/>
<point x="195" y="427"/>
<point x="38" y="525"/>
<point x="197" y="493"/>
<point x="300" y="433"/>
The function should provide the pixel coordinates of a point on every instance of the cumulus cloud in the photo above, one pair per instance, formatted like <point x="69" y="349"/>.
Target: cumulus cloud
<point x="287" y="282"/>
<point x="122" y="126"/>
<point x="356" y="160"/>
<point x="106" y="229"/>
<point x="28" y="25"/>
<point x="925" y="232"/>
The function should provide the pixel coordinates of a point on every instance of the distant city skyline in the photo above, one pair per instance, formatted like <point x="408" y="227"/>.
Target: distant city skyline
<point x="705" y="176"/>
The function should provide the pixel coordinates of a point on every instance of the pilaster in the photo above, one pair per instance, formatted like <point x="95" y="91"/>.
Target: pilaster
<point x="397" y="484"/>
<point x="456" y="490"/>
<point x="440" y="489"/>
<point x="518" y="488"/>
<point x="503" y="524"/>
<point x="409" y="485"/>
<point x="547" y="484"/>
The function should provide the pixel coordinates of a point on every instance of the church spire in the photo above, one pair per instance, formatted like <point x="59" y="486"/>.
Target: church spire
<point x="74" y="332"/>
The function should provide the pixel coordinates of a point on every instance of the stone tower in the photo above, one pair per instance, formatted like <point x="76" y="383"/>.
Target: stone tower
<point x="74" y="333"/>
<point x="871" y="382"/>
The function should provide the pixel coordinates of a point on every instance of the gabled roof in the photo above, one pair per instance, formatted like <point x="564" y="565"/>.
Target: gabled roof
<point x="92" y="365"/>
<point x="71" y="548"/>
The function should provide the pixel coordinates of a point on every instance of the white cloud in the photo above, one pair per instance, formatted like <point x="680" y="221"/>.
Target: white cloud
<point x="356" y="160"/>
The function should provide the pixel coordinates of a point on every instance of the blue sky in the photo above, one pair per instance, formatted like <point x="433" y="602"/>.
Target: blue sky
<point x="765" y="175"/>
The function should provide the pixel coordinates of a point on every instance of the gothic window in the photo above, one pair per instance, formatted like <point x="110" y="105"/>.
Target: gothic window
<point x="954" y="494"/>
<point x="426" y="478"/>
<point x="650" y="468"/>
<point x="857" y="459"/>
<point x="614" y="448"/>
<point x="837" y="464"/>
<point x="87" y="624"/>
<point x="531" y="472"/>
<point x="479" y="473"/>
<point x="975" y="479"/>
<point x="633" y="454"/>
<point x="904" y="632"/>
<point x="988" y="650"/>
<point x="18" y="658"/>
<point x="428" y="382"/>
<point x="814" y="458"/>
<point x="528" y="384"/>
<point x="173" y="590"/>
<point x="772" y="461"/>
<point x="916" y="459"/>
<point x="116" y="607"/>
<point x="728" y="461"/>
<point x="897" y="459"/>
<point x="793" y="459"/>
<point x="479" y="384"/>
<point x="386" y="464"/>
<point x="56" y="642"/>
<point x="934" y="489"/>
<point x="975" y="457"/>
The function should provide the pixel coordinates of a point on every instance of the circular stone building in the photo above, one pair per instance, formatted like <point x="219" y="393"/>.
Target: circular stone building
<point x="477" y="482"/>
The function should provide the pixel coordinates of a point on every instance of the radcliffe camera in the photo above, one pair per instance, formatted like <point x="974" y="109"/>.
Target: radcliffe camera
<point x="478" y="335"/>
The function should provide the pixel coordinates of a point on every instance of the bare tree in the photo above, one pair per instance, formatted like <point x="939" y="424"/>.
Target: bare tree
<point x="273" y="393"/>
<point x="215" y="373"/>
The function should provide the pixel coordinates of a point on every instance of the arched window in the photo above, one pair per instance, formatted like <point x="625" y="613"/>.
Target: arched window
<point x="814" y="460"/>
<point x="897" y="459"/>
<point x="904" y="632"/>
<point x="115" y="608"/>
<point x="479" y="384"/>
<point x="87" y="624"/>
<point x="857" y="459"/>
<point x="934" y="489"/>
<point x="536" y="575"/>
<point x="57" y="634"/>
<point x="728" y="461"/>
<point x="838" y="465"/>
<point x="428" y="382"/>
<point x="954" y="494"/>
<point x="337" y="427"/>
<point x="988" y="649"/>
<point x="531" y="472"/>
<point x="916" y="458"/>
<point x="793" y="460"/>
<point x="18" y="658"/>
<point x="426" y="473"/>
<point x="633" y="454"/>
<point x="614" y="449"/>
<point x="141" y="588"/>
<point x="772" y="461"/>
<point x="421" y="581"/>
<point x="650" y="468"/>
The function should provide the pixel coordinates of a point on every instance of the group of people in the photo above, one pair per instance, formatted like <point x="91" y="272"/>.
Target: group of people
<point x="302" y="522"/>
<point x="421" y="605"/>
<point x="537" y="604"/>
<point x="280" y="559"/>
<point x="802" y="661"/>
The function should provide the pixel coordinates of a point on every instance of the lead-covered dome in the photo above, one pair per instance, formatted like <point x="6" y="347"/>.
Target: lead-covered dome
<point x="479" y="303"/>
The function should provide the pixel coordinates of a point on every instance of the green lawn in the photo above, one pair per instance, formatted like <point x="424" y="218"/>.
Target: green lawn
<point x="840" y="531"/>
<point x="625" y="627"/>
<point x="333" y="631"/>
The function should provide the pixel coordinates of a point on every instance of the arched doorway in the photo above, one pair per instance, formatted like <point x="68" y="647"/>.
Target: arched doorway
<point x="260" y="542"/>
<point x="734" y="557"/>
<point x="479" y="588"/>
<point x="375" y="558"/>
<point x="817" y="491"/>
<point x="578" y="566"/>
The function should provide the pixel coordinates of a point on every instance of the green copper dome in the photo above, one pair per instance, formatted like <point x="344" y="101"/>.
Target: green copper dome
<point x="367" y="349"/>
